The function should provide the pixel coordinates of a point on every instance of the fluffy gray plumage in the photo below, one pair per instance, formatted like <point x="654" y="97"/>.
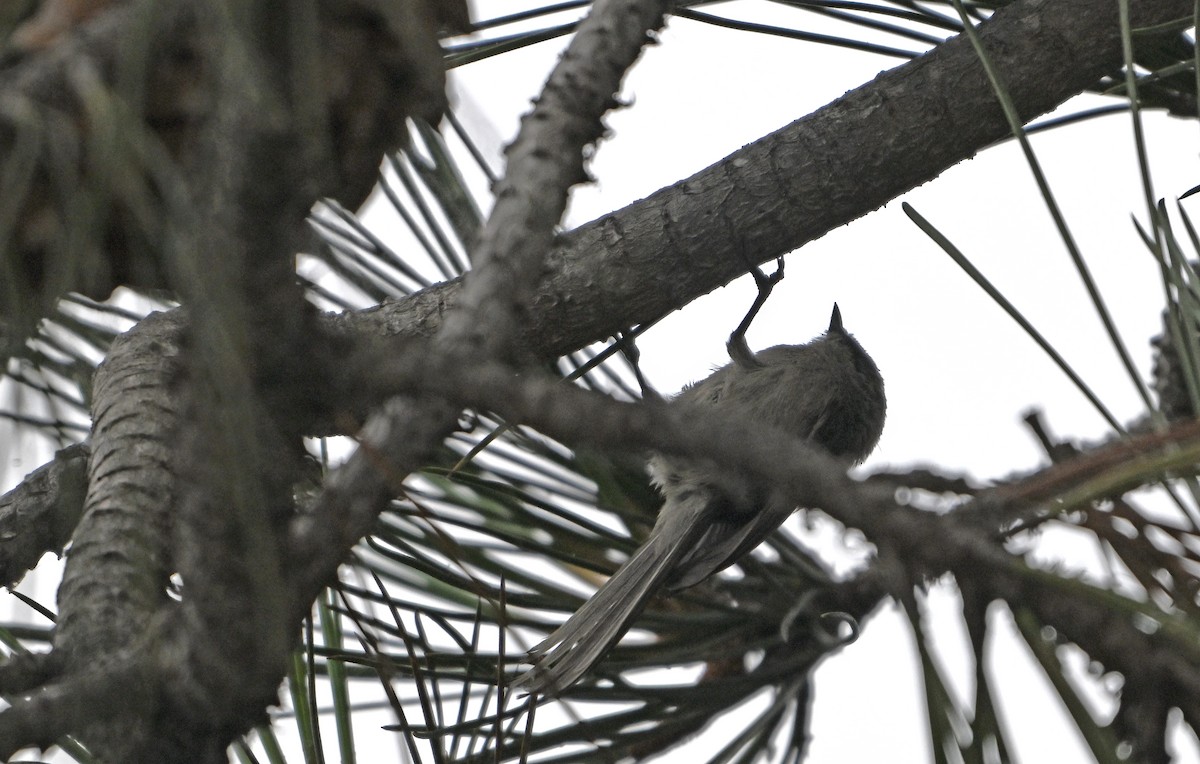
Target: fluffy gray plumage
<point x="827" y="391"/>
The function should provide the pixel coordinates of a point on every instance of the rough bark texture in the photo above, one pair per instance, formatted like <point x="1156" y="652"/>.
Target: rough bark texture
<point x="41" y="513"/>
<point x="194" y="457"/>
<point x="143" y="678"/>
<point x="822" y="171"/>
<point x="545" y="160"/>
<point x="115" y="580"/>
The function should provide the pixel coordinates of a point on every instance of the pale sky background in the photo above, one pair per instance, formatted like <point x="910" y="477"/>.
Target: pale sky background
<point x="959" y="373"/>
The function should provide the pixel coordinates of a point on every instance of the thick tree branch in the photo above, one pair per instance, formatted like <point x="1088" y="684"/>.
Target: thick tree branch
<point x="786" y="189"/>
<point x="545" y="160"/>
<point x="120" y="560"/>
<point x="64" y="707"/>
<point x="922" y="544"/>
<point x="41" y="513"/>
<point x="25" y="671"/>
<point x="239" y="309"/>
<point x="793" y="186"/>
<point x="139" y="525"/>
<point x="238" y="449"/>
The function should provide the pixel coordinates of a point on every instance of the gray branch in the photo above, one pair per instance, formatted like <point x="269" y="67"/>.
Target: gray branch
<point x="627" y="268"/>
<point x="795" y="185"/>
<point x="41" y="513"/>
<point x="545" y="160"/>
<point x="115" y="581"/>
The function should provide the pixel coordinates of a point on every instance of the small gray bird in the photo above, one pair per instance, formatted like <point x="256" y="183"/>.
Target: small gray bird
<point x="827" y="391"/>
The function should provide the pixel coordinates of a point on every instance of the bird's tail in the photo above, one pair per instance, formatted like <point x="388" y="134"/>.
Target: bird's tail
<point x="565" y="655"/>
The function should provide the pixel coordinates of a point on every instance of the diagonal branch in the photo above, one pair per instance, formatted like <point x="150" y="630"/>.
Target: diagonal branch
<point x="784" y="190"/>
<point x="117" y="568"/>
<point x="41" y="513"/>
<point x="546" y="159"/>
<point x="544" y="162"/>
<point x="822" y="171"/>
<point x="207" y="499"/>
<point x="1151" y="647"/>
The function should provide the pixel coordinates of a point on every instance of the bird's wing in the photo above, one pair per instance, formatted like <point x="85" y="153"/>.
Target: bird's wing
<point x="728" y="536"/>
<point x="566" y="654"/>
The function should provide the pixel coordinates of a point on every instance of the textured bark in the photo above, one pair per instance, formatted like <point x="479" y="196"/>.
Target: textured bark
<point x="545" y="160"/>
<point x="204" y="669"/>
<point x="114" y="586"/>
<point x="119" y="636"/>
<point x="822" y="171"/>
<point x="194" y="461"/>
<point x="41" y="513"/>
